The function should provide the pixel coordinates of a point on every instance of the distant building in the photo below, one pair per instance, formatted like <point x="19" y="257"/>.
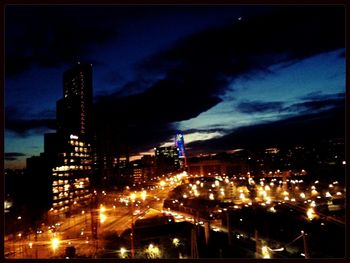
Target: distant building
<point x="137" y="173"/>
<point x="167" y="159"/>
<point x="218" y="164"/>
<point x="180" y="146"/>
<point x="149" y="168"/>
<point x="143" y="170"/>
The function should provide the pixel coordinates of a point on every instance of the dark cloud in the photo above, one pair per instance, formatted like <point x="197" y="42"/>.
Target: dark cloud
<point x="320" y="96"/>
<point x="13" y="156"/>
<point x="54" y="37"/>
<point x="323" y="103"/>
<point x="255" y="43"/>
<point x="16" y="123"/>
<point x="198" y="68"/>
<point x="259" y="106"/>
<point x="22" y="127"/>
<point x="306" y="128"/>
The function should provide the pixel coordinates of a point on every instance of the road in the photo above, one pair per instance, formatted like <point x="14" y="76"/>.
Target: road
<point x="76" y="230"/>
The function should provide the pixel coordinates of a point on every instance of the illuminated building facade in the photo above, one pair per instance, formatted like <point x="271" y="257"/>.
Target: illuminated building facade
<point x="71" y="177"/>
<point x="70" y="148"/>
<point x="137" y="174"/>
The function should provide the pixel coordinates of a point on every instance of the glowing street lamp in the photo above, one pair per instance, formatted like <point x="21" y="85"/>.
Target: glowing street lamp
<point x="265" y="252"/>
<point x="211" y="197"/>
<point x="102" y="209"/>
<point x="103" y="218"/>
<point x="176" y="242"/>
<point x="133" y="197"/>
<point x="153" y="251"/>
<point x="123" y="252"/>
<point x="55" y="243"/>
<point x="143" y="195"/>
<point x="310" y="213"/>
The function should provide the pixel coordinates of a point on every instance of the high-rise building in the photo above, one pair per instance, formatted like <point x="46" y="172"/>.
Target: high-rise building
<point x="74" y="110"/>
<point x="70" y="149"/>
<point x="71" y="176"/>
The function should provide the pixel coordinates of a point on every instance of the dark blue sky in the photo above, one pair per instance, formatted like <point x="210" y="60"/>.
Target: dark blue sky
<point x="206" y="70"/>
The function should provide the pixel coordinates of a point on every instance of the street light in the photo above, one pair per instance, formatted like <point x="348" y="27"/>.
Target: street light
<point x="311" y="213"/>
<point x="122" y="252"/>
<point x="153" y="251"/>
<point x="176" y="242"/>
<point x="103" y="218"/>
<point x="265" y="252"/>
<point x="55" y="243"/>
<point x="143" y="195"/>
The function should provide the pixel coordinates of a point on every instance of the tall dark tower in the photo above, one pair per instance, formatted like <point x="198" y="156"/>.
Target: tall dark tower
<point x="70" y="149"/>
<point x="74" y="110"/>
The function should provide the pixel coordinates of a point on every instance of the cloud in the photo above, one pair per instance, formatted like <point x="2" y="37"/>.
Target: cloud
<point x="319" y="102"/>
<point x="39" y="123"/>
<point x="306" y="128"/>
<point x="51" y="36"/>
<point x="320" y="96"/>
<point x="23" y="127"/>
<point x="13" y="156"/>
<point x="259" y="106"/>
<point x="198" y="69"/>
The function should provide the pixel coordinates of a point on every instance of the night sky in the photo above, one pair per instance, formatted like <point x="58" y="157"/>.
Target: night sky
<point x="227" y="76"/>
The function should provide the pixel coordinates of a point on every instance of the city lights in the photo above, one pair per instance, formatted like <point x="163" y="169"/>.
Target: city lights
<point x="265" y="252"/>
<point x="55" y="243"/>
<point x="122" y="252"/>
<point x="211" y="196"/>
<point x="310" y="213"/>
<point x="176" y="242"/>
<point x="153" y="251"/>
<point x="143" y="195"/>
<point x="96" y="164"/>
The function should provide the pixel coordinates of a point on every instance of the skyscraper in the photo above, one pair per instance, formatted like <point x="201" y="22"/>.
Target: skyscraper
<point x="74" y="110"/>
<point x="72" y="167"/>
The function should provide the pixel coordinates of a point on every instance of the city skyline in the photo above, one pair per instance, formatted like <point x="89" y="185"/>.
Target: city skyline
<point x="210" y="77"/>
